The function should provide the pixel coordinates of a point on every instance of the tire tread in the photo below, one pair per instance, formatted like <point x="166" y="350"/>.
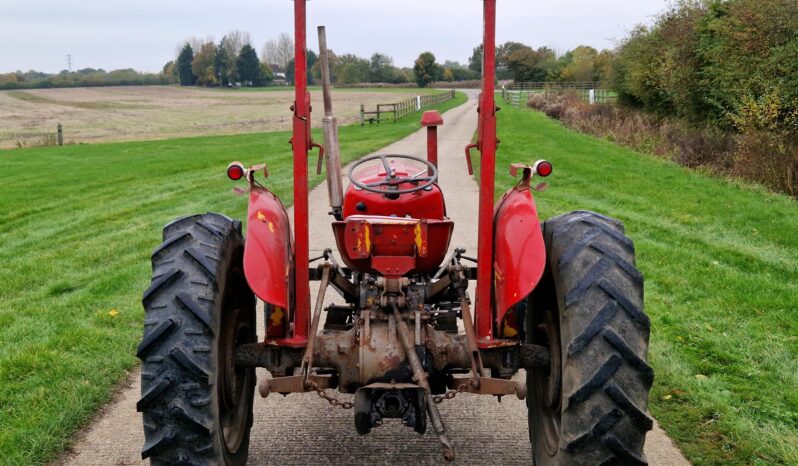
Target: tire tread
<point x="604" y="334"/>
<point x="177" y="347"/>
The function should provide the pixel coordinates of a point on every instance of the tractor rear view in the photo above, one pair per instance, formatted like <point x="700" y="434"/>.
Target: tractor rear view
<point x="561" y="300"/>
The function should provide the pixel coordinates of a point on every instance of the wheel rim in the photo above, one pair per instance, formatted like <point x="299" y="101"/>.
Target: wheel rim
<point x="548" y="385"/>
<point x="235" y="383"/>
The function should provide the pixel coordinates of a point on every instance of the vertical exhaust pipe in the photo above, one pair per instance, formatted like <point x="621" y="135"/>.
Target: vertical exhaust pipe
<point x="335" y="189"/>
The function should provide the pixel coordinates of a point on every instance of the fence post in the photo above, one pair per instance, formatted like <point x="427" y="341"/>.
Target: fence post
<point x="592" y="96"/>
<point x="362" y="115"/>
<point x="418" y="103"/>
<point x="60" y="134"/>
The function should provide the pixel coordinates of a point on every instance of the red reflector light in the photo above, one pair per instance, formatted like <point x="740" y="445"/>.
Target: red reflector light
<point x="543" y="168"/>
<point x="235" y="171"/>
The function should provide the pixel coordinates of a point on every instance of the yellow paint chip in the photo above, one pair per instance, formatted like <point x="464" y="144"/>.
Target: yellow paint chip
<point x="271" y="227"/>
<point x="261" y="217"/>
<point x="419" y="239"/>
<point x="509" y="332"/>
<point x="276" y="316"/>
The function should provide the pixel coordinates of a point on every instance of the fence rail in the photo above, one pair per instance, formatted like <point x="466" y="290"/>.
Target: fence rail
<point x="515" y="94"/>
<point x="398" y="110"/>
<point x="535" y="86"/>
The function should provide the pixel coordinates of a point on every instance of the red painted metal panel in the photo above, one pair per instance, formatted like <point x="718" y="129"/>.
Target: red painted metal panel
<point x="487" y="142"/>
<point x="431" y="120"/>
<point x="408" y="244"/>
<point x="267" y="251"/>
<point x="420" y="204"/>
<point x="432" y="145"/>
<point x="519" y="251"/>
<point x="301" y="146"/>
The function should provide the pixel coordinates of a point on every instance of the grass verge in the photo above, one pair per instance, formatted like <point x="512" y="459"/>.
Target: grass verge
<point x="721" y="265"/>
<point x="77" y="225"/>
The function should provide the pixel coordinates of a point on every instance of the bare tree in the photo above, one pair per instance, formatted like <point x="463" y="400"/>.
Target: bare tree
<point x="237" y="40"/>
<point x="195" y="42"/>
<point x="278" y="51"/>
<point x="285" y="49"/>
<point x="269" y="54"/>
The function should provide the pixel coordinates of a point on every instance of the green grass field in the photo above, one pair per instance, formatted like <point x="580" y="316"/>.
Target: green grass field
<point x="77" y="225"/>
<point x="721" y="266"/>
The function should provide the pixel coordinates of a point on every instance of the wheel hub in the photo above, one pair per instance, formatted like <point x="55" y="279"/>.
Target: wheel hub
<point x="233" y="382"/>
<point x="549" y="386"/>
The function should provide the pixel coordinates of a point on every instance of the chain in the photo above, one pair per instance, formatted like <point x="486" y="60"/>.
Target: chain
<point x="449" y="394"/>
<point x="331" y="399"/>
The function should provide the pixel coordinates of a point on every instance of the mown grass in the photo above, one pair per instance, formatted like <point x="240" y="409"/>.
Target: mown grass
<point x="721" y="265"/>
<point x="77" y="225"/>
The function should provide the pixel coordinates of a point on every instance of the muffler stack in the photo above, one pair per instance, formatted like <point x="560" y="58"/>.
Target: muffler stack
<point x="335" y="188"/>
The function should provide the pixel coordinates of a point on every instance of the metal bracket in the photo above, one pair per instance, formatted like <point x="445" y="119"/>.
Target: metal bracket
<point x="490" y="386"/>
<point x="294" y="384"/>
<point x="307" y="360"/>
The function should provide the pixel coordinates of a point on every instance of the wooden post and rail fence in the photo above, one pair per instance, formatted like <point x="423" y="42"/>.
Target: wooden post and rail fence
<point x="516" y="93"/>
<point x="397" y="110"/>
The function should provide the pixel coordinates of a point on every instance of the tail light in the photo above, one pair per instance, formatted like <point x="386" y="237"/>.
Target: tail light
<point x="236" y="171"/>
<point x="543" y="168"/>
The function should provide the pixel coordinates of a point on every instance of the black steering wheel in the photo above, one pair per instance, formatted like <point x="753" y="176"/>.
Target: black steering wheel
<point x="391" y="180"/>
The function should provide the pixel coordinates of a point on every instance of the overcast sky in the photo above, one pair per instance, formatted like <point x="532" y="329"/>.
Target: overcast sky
<point x="143" y="34"/>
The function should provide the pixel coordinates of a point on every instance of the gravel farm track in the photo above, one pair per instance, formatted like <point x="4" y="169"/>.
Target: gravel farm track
<point x="109" y="114"/>
<point x="304" y="429"/>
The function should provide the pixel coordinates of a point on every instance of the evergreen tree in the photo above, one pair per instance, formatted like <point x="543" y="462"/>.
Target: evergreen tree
<point x="290" y="71"/>
<point x="312" y="60"/>
<point x="225" y="62"/>
<point x="249" y="69"/>
<point x="184" y="72"/>
<point x="475" y="62"/>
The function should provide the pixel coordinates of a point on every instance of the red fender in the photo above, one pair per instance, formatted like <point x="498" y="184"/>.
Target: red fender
<point x="519" y="252"/>
<point x="268" y="249"/>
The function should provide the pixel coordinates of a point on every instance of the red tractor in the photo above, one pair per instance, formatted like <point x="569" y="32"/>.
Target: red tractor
<point x="561" y="300"/>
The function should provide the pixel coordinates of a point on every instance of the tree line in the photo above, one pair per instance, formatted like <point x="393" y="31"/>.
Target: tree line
<point x="521" y="63"/>
<point x="87" y="77"/>
<point x="205" y="63"/>
<point x="233" y="61"/>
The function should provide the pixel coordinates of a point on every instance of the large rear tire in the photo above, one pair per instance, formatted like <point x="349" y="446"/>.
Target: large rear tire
<point x="196" y="404"/>
<point x="589" y="407"/>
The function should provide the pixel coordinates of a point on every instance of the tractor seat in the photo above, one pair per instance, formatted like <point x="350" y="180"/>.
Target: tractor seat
<point x="392" y="246"/>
